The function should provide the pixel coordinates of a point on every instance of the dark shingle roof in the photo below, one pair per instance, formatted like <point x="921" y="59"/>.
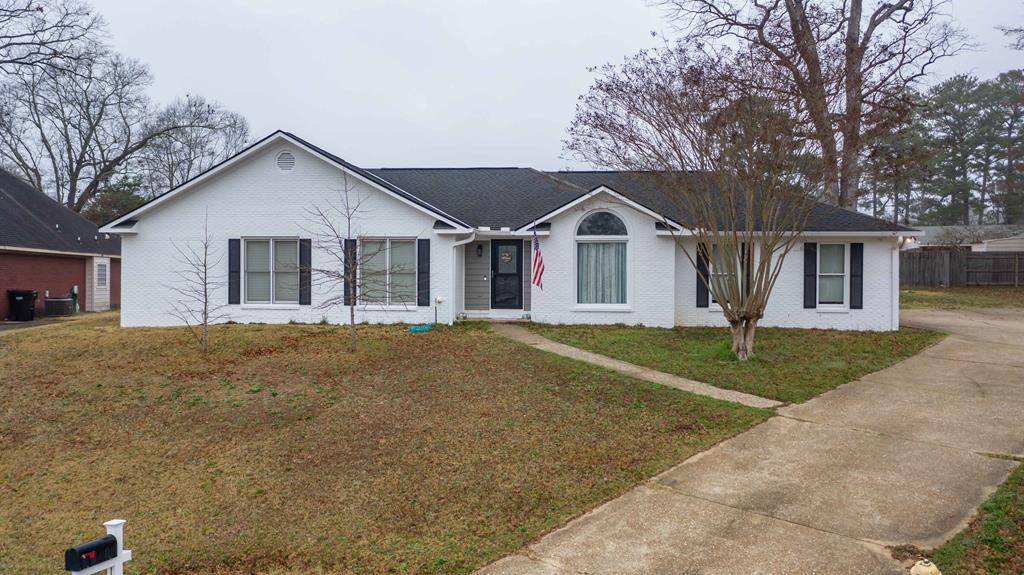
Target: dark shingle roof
<point x="492" y="197"/>
<point x="31" y="219"/>
<point x="823" y="217"/>
<point x="513" y="197"/>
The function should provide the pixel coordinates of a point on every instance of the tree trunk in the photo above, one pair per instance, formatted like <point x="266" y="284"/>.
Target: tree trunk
<point x="352" y="327"/>
<point x="743" y="338"/>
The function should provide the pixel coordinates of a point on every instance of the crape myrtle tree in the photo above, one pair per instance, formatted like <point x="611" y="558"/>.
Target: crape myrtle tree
<point x="850" y="63"/>
<point x="355" y="270"/>
<point x="728" y="154"/>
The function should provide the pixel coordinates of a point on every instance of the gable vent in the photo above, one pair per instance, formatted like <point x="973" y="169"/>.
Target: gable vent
<point x="285" y="161"/>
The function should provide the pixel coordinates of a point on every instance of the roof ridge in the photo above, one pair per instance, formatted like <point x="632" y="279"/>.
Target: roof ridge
<point x="457" y="168"/>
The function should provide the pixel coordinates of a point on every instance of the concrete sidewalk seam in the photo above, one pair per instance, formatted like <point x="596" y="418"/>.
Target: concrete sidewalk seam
<point x="682" y="493"/>
<point x="906" y="438"/>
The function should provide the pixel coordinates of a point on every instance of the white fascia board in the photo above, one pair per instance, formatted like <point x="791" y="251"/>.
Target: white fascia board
<point x="603" y="190"/>
<point x="274" y="139"/>
<point x="57" y="252"/>
<point x="884" y="234"/>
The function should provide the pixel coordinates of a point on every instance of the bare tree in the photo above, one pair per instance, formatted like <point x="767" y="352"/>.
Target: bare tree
<point x="71" y="131"/>
<point x="45" y="34"/>
<point x="851" y="68"/>
<point x="198" y="283"/>
<point x="179" y="155"/>
<point x="358" y="271"/>
<point x="728" y="157"/>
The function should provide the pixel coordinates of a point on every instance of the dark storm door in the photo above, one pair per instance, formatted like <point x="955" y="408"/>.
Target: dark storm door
<point x="507" y="274"/>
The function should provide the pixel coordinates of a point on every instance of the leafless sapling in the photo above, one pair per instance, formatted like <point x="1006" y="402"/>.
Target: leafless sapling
<point x="357" y="271"/>
<point x="196" y="303"/>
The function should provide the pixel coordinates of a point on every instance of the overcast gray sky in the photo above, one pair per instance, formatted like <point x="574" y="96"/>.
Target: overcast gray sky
<point x="407" y="83"/>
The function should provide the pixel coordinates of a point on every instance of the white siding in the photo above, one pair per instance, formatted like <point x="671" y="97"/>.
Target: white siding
<point x="1011" y="244"/>
<point x="785" y="306"/>
<point x="254" y="198"/>
<point x="97" y="297"/>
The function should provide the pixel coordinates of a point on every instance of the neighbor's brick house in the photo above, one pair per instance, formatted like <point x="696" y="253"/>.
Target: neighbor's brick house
<point x="48" y="248"/>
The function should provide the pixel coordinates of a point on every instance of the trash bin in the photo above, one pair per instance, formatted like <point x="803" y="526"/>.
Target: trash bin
<point x="22" y="304"/>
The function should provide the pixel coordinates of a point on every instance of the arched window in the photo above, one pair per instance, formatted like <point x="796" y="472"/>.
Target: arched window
<point x="601" y="242"/>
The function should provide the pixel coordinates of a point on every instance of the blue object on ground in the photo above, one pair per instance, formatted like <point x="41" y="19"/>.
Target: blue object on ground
<point x="421" y="328"/>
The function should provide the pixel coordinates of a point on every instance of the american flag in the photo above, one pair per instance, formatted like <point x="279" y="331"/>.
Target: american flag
<point x="538" y="260"/>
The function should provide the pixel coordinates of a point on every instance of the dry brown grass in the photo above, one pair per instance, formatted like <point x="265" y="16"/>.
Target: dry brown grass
<point x="429" y="453"/>
<point x="961" y="298"/>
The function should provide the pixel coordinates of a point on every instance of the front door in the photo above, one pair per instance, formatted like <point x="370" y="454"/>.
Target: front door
<point x="507" y="274"/>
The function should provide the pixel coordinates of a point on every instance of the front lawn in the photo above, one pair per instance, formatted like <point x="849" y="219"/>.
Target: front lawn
<point x="994" y="541"/>
<point x="426" y="453"/>
<point x="961" y="298"/>
<point x="791" y="365"/>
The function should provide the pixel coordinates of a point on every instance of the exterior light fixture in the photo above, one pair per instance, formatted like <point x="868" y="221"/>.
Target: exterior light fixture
<point x="479" y="250"/>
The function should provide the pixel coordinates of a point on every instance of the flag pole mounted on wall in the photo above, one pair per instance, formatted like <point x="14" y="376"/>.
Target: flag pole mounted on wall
<point x="538" y="260"/>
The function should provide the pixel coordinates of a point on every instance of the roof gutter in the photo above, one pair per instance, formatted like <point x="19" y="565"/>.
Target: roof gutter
<point x="56" y="252"/>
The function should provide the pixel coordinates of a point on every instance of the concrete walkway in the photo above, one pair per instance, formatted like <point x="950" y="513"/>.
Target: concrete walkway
<point x="523" y="335"/>
<point x="901" y="456"/>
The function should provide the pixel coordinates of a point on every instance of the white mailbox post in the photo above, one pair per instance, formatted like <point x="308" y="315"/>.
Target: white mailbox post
<point x="114" y="566"/>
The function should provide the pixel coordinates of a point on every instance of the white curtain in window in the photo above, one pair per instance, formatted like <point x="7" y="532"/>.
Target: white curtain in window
<point x="403" y="273"/>
<point x="286" y="271"/>
<point x="601" y="269"/>
<point x="257" y="271"/>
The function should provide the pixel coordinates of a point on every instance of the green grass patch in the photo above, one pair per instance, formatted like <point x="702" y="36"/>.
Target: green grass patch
<point x="280" y="451"/>
<point x="962" y="298"/>
<point x="791" y="365"/>
<point x="994" y="541"/>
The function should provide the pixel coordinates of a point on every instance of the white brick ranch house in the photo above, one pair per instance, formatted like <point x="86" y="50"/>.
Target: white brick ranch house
<point x="457" y="242"/>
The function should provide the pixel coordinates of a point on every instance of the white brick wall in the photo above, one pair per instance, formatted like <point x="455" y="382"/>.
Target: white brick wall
<point x="785" y="307"/>
<point x="651" y="266"/>
<point x="254" y="198"/>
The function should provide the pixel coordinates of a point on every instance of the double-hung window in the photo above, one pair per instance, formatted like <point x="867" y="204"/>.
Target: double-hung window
<point x="833" y="270"/>
<point x="388" y="272"/>
<point x="272" y="271"/>
<point x="719" y="274"/>
<point x="101" y="275"/>
<point x="601" y="241"/>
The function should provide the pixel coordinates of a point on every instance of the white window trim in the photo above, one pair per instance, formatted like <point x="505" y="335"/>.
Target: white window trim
<point x="106" y="274"/>
<point x="387" y="305"/>
<point x="273" y="303"/>
<point x="626" y="306"/>
<point x="833" y="307"/>
<point x="714" y="306"/>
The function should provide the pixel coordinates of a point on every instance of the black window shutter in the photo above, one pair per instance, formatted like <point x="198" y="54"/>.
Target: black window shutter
<point x="234" y="271"/>
<point x="747" y="261"/>
<point x="702" y="276"/>
<point x="305" y="273"/>
<point x="350" y="272"/>
<point x="857" y="276"/>
<point x="423" y="272"/>
<point x="810" y="275"/>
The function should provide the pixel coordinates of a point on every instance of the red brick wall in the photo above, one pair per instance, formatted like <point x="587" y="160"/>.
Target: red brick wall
<point x="44" y="272"/>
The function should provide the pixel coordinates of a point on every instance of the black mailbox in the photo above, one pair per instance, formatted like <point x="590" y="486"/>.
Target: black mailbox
<point x="90" y="553"/>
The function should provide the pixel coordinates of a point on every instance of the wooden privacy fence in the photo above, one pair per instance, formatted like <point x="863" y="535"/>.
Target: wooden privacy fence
<point x="953" y="268"/>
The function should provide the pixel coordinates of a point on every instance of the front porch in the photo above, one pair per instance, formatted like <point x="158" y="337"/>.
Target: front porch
<point x="493" y="274"/>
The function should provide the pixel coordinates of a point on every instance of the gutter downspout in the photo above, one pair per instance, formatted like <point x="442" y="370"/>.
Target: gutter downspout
<point x="455" y="312"/>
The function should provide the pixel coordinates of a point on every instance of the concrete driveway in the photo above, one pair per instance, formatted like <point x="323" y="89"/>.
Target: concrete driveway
<point x="904" y="455"/>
